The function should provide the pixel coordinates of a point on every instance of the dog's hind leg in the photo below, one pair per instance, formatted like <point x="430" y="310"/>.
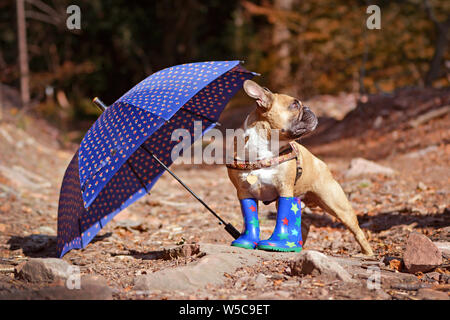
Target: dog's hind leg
<point x="331" y="198"/>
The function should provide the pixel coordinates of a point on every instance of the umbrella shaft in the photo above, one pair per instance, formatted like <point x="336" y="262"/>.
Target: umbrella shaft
<point x="137" y="176"/>
<point x="228" y="226"/>
<point x="182" y="183"/>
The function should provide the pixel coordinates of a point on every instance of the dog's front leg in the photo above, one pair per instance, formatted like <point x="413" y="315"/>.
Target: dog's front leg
<point x="284" y="180"/>
<point x="287" y="235"/>
<point x="250" y="235"/>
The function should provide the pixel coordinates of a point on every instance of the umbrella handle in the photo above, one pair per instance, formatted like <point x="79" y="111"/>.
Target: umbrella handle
<point x="232" y="231"/>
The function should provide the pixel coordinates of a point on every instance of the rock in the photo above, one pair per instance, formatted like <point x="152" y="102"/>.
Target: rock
<point x="421" y="153"/>
<point x="382" y="295"/>
<point x="210" y="269"/>
<point x="46" y="230"/>
<point x="182" y="251"/>
<point x="95" y="288"/>
<point x="214" y="261"/>
<point x="316" y="263"/>
<point x="273" y="295"/>
<point x="277" y="276"/>
<point x="421" y="254"/>
<point x="92" y="288"/>
<point x="444" y="247"/>
<point x="44" y="270"/>
<point x="446" y="230"/>
<point x="362" y="167"/>
<point x="430" y="294"/>
<point x="22" y="178"/>
<point x="378" y="122"/>
<point x="433" y="276"/>
<point x="282" y="294"/>
<point x="260" y="281"/>
<point x="421" y="186"/>
<point x="290" y="284"/>
<point x="241" y="281"/>
<point x="132" y="225"/>
<point x="445" y="278"/>
<point x="323" y="293"/>
<point x="6" y="268"/>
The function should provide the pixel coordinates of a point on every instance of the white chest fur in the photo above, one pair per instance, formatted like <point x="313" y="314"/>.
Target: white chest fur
<point x="263" y="187"/>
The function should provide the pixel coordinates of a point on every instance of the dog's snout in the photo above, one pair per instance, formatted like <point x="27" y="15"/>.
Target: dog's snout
<point x="307" y="113"/>
<point x="310" y="118"/>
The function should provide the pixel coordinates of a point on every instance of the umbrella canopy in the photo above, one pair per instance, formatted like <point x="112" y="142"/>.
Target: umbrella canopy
<point x="124" y="153"/>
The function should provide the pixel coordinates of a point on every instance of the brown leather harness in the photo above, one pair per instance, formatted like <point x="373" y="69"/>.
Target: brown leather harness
<point x="289" y="153"/>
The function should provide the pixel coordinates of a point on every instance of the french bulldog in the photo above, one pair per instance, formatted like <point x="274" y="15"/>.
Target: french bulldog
<point x="287" y="181"/>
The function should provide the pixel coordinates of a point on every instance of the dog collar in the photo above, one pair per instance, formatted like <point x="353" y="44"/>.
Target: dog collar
<point x="285" y="155"/>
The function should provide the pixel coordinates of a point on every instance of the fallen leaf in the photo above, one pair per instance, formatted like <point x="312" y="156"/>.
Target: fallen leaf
<point x="319" y="284"/>
<point x="127" y="289"/>
<point x="277" y="282"/>
<point x="5" y="207"/>
<point x="395" y="264"/>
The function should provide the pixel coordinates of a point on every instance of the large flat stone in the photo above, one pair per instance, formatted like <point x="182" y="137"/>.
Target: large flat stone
<point x="210" y="269"/>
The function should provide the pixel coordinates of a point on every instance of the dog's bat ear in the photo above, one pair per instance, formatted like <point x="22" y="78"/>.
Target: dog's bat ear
<point x="255" y="91"/>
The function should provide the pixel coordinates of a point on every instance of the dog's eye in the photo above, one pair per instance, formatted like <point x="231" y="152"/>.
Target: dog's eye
<point x="295" y="105"/>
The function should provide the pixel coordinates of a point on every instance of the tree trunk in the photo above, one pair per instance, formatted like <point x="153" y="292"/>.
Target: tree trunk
<point x="439" y="52"/>
<point x="1" y="102"/>
<point x="23" y="55"/>
<point x="281" y="37"/>
<point x="441" y="44"/>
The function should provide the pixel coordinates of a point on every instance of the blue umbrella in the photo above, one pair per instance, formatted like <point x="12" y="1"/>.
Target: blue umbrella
<point x="129" y="146"/>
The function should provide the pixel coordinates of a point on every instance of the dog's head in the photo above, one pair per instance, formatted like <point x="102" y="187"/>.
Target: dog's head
<point x="282" y="112"/>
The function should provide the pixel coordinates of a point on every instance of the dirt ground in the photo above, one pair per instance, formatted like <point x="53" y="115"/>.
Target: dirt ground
<point x="32" y="165"/>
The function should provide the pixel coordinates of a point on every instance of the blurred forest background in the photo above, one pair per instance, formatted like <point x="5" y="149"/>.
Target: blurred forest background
<point x="301" y="47"/>
<point x="382" y="97"/>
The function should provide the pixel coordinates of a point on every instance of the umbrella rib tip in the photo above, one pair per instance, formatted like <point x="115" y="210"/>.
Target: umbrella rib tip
<point x="99" y="103"/>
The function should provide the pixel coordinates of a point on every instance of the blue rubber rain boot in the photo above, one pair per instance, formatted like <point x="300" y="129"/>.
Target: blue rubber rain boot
<point x="250" y="236"/>
<point x="287" y="235"/>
